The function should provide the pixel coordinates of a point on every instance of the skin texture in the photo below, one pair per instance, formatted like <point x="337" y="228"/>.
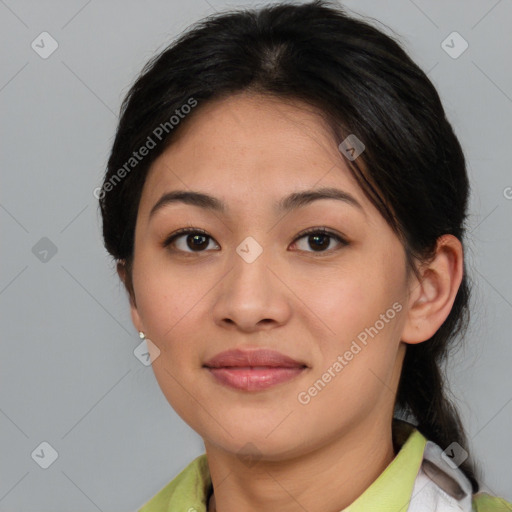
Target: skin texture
<point x="251" y="151"/>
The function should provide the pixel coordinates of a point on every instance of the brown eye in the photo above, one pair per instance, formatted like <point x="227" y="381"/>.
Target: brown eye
<point x="198" y="242"/>
<point x="189" y="240"/>
<point x="319" y="240"/>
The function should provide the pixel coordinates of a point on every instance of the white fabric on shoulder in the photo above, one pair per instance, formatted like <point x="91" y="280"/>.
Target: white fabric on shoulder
<point x="440" y="486"/>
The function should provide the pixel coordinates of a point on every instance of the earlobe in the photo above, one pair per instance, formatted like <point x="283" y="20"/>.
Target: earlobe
<point x="136" y="318"/>
<point x="122" y="272"/>
<point x="433" y="294"/>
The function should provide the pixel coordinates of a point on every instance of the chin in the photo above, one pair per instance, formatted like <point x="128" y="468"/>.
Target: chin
<point x="253" y="442"/>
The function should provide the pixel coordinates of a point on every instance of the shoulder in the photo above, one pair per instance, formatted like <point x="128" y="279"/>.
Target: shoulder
<point x="483" y="502"/>
<point x="189" y="490"/>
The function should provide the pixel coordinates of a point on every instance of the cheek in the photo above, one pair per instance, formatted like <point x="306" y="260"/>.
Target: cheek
<point x="355" y="299"/>
<point x="357" y="367"/>
<point x="166" y="299"/>
<point x="363" y="307"/>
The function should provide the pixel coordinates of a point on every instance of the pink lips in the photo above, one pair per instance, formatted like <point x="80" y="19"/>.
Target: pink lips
<point x="253" y="370"/>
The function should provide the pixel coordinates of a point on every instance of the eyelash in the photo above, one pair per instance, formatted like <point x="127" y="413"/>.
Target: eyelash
<point x="310" y="231"/>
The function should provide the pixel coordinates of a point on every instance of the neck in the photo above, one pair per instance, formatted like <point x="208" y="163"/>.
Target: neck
<point x="328" y="478"/>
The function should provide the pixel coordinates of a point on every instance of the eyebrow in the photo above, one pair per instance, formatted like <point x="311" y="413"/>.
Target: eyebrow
<point x="291" y="202"/>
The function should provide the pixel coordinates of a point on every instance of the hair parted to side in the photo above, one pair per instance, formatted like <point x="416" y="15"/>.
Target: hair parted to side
<point x="362" y="81"/>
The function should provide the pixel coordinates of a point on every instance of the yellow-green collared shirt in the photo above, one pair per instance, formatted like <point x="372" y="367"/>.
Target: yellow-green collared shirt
<point x="390" y="492"/>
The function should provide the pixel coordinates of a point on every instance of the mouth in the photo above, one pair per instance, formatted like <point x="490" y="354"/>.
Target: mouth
<point x="253" y="370"/>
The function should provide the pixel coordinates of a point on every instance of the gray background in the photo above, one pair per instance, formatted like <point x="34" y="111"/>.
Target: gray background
<point x="69" y="375"/>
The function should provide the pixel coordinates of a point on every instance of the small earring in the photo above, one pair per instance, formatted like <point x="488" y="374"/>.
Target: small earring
<point x="141" y="335"/>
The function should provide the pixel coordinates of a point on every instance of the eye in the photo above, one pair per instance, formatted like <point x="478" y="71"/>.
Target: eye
<point x="320" y="239"/>
<point x="195" y="239"/>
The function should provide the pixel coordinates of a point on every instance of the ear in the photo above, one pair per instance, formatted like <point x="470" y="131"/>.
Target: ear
<point x="432" y="296"/>
<point x="123" y="275"/>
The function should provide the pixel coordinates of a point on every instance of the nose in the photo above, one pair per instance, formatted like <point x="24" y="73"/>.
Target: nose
<point x="252" y="295"/>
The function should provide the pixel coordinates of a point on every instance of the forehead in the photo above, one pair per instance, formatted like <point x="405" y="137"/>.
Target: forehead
<point x="247" y="148"/>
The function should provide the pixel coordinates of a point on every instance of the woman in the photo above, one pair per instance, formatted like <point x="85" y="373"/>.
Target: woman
<point x="285" y="201"/>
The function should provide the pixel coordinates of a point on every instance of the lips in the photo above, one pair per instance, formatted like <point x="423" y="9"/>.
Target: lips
<point x="244" y="358"/>
<point x="253" y="370"/>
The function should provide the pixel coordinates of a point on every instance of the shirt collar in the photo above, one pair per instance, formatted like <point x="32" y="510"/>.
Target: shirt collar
<point x="390" y="492"/>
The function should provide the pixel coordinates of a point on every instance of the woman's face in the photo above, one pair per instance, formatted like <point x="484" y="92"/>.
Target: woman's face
<point x="252" y="281"/>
